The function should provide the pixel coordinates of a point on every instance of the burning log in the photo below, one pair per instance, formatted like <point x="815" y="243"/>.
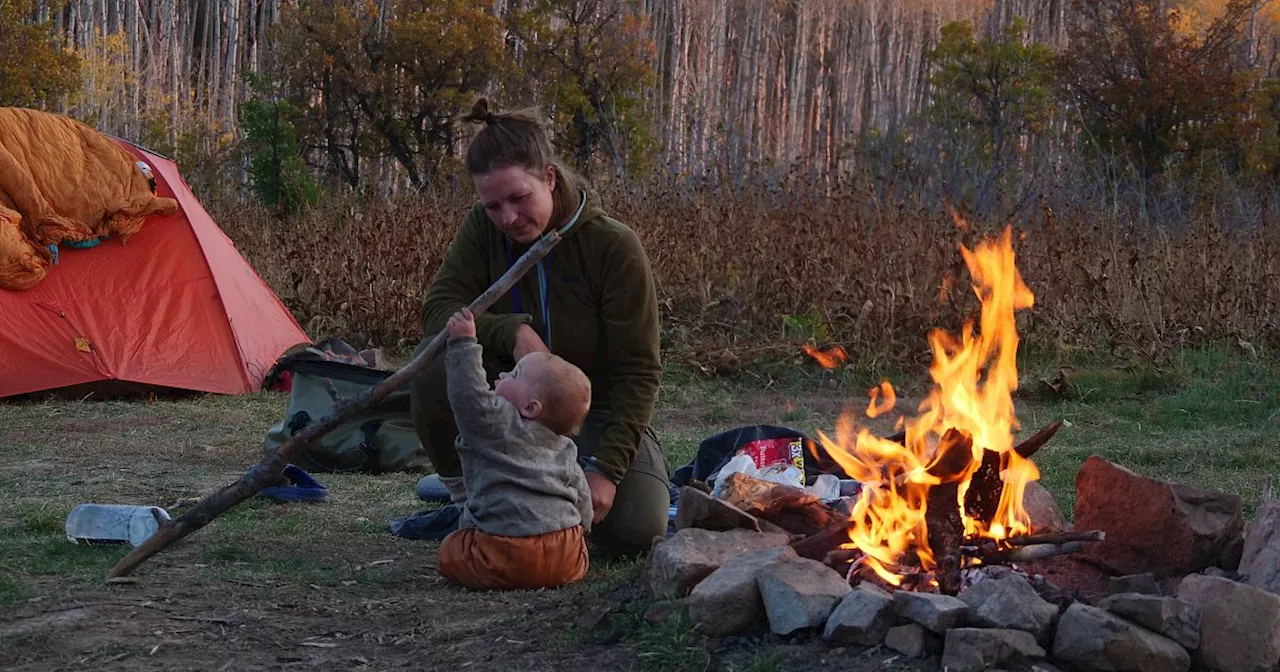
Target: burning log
<point x="982" y="500"/>
<point x="943" y="522"/>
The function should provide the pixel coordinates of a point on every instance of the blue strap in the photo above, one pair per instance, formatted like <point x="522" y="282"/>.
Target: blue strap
<point x="546" y="303"/>
<point x="543" y="281"/>
<point x="542" y="291"/>
<point x="515" y="289"/>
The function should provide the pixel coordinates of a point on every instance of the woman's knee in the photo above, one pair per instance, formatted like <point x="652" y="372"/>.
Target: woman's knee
<point x="639" y="514"/>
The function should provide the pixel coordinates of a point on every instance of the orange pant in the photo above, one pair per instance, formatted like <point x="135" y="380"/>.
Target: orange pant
<point x="489" y="562"/>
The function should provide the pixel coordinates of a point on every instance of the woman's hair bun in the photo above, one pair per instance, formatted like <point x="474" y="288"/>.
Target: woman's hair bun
<point x="480" y="113"/>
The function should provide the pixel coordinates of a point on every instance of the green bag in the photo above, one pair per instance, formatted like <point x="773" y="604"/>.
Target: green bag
<point x="378" y="440"/>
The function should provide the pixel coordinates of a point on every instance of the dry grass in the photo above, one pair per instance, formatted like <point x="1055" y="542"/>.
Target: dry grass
<point x="761" y="268"/>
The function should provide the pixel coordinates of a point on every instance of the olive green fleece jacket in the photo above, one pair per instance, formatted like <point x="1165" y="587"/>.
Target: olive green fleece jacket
<point x="603" y="308"/>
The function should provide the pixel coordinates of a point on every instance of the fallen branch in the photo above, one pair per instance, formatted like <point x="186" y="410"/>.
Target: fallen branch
<point x="268" y="470"/>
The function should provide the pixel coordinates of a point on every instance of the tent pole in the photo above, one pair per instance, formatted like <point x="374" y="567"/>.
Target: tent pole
<point x="265" y="472"/>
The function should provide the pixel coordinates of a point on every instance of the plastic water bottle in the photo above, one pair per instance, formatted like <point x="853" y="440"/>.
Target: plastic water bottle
<point x="113" y="523"/>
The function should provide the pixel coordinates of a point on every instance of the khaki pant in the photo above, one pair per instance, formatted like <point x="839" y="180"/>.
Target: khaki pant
<point x="641" y="503"/>
<point x="483" y="561"/>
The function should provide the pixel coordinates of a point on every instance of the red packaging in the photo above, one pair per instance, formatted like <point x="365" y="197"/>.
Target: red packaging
<point x="776" y="452"/>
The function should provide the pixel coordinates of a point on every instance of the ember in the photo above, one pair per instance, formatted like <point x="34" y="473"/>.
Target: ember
<point x="949" y="493"/>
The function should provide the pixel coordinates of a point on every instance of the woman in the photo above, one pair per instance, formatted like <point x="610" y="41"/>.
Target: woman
<point x="592" y="301"/>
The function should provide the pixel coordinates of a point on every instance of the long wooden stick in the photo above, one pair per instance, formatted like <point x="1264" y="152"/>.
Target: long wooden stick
<point x="266" y="471"/>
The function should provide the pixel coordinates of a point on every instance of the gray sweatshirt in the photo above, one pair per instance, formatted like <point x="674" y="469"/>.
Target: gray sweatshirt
<point x="522" y="479"/>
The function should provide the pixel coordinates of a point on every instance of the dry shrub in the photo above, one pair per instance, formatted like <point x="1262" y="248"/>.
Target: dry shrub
<point x="845" y="267"/>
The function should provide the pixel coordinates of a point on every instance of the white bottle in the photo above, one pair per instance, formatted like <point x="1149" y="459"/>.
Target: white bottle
<point x="113" y="523"/>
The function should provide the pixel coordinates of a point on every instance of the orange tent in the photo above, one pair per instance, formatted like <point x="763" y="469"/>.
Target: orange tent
<point x="175" y="307"/>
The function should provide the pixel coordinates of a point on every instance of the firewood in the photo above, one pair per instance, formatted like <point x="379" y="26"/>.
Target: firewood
<point x="943" y="522"/>
<point x="841" y="558"/>
<point x="268" y="470"/>
<point x="1056" y="538"/>
<point x="982" y="500"/>
<point x="1036" y="441"/>
<point x="818" y="546"/>
<point x="1033" y="552"/>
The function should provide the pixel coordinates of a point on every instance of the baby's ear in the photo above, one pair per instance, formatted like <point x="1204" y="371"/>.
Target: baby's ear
<point x="531" y="410"/>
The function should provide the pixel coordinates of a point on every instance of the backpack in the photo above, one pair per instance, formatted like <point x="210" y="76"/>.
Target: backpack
<point x="376" y="441"/>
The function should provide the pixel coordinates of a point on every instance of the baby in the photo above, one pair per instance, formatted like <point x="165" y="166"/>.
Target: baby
<point x="527" y="506"/>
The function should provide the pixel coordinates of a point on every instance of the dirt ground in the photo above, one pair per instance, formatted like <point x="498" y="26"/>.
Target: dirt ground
<point x="274" y="587"/>
<point x="304" y="586"/>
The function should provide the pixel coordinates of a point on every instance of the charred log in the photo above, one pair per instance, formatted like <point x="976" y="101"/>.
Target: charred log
<point x="982" y="500"/>
<point x="943" y="523"/>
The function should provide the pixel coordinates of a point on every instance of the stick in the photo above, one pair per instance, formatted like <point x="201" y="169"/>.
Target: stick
<point x="1056" y="538"/>
<point x="1035" y="552"/>
<point x="1036" y="441"/>
<point x="818" y="546"/>
<point x="263" y="473"/>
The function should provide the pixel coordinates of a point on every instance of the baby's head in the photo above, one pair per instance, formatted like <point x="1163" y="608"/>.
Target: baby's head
<point x="549" y="390"/>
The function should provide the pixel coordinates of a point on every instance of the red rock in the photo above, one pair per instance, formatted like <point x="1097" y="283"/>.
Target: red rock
<point x="1168" y="529"/>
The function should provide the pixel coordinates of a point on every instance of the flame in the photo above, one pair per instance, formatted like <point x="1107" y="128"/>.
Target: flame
<point x="974" y="375"/>
<point x="832" y="358"/>
<point x="882" y="401"/>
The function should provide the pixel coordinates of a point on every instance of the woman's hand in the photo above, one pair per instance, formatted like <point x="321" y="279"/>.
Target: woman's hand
<point x="527" y="341"/>
<point x="602" y="492"/>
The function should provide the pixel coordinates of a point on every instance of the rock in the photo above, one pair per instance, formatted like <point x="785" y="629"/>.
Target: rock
<point x="1166" y="528"/>
<point x="911" y="640"/>
<point x="1043" y="509"/>
<point x="677" y="564"/>
<point x="1090" y="639"/>
<point x="799" y="593"/>
<point x="1144" y="583"/>
<point x="699" y="509"/>
<point x="863" y="617"/>
<point x="936" y="612"/>
<point x="1239" y="624"/>
<point x="1231" y="554"/>
<point x="1260" y="557"/>
<point x="973" y="649"/>
<point x="1168" y="616"/>
<point x="728" y="600"/>
<point x="1082" y="580"/>
<point x="1009" y="602"/>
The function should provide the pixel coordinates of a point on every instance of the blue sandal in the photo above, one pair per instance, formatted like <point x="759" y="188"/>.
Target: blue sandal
<point x="303" y="488"/>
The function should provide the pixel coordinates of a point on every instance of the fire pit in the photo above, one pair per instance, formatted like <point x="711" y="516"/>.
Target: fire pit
<point x="938" y="552"/>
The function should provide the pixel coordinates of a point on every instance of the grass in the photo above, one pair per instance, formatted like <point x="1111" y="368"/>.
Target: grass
<point x="1205" y="418"/>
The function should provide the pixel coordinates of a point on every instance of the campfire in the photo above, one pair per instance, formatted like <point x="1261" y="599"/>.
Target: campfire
<point x="945" y="493"/>
<point x="944" y="541"/>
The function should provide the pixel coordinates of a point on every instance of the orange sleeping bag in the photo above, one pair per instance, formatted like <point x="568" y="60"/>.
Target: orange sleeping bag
<point x="62" y="181"/>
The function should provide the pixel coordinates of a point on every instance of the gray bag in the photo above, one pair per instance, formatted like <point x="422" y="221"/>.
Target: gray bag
<point x="378" y="440"/>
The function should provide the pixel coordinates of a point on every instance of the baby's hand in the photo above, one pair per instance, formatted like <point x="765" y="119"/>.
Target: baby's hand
<point x="462" y="324"/>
